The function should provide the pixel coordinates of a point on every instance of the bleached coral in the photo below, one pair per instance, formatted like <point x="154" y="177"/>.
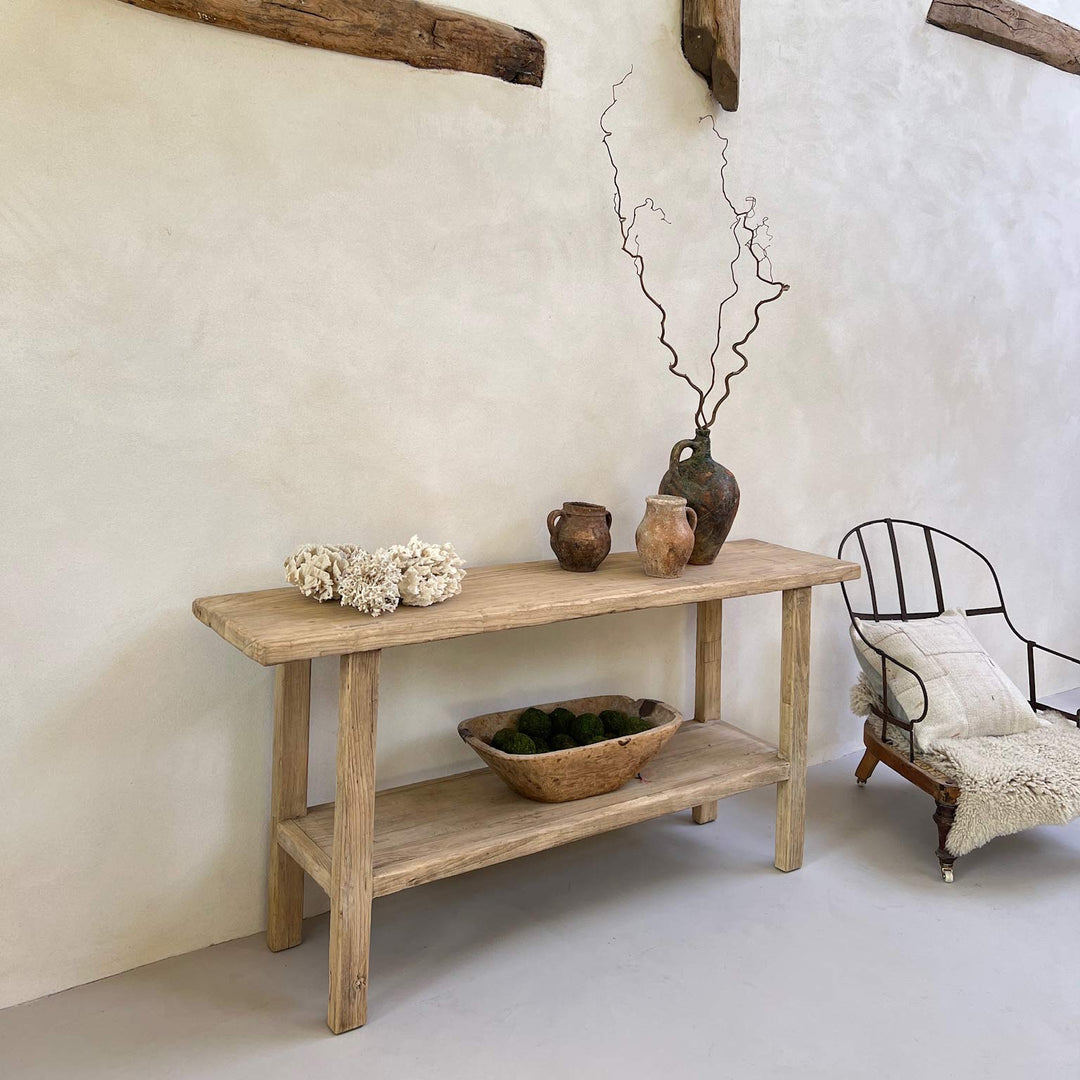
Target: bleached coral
<point x="430" y="573"/>
<point x="316" y="569"/>
<point x="370" y="582"/>
<point x="417" y="573"/>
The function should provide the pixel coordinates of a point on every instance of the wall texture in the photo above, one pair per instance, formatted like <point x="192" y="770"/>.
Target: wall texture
<point x="253" y="295"/>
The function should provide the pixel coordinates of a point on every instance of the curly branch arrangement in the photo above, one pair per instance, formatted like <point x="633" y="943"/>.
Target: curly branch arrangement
<point x="749" y="236"/>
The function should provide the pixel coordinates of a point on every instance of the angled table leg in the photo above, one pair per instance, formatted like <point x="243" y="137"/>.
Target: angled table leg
<point x="707" y="681"/>
<point x="794" y="712"/>
<point x="354" y="832"/>
<point x="288" y="799"/>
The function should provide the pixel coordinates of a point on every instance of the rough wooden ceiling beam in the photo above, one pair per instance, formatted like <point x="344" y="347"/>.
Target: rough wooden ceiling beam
<point x="710" y="41"/>
<point x="415" y="33"/>
<point x="1013" y="27"/>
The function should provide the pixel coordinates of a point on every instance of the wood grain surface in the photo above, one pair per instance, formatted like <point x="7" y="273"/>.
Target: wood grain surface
<point x="1011" y="26"/>
<point x="710" y="625"/>
<point x="280" y="625"/>
<point x="439" y="828"/>
<point x="794" y="717"/>
<point x="711" y="44"/>
<point x="582" y="771"/>
<point x="352" y="842"/>
<point x="423" y="35"/>
<point x="288" y="799"/>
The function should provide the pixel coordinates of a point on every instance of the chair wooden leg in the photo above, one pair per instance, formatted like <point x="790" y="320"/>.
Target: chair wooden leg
<point x="865" y="768"/>
<point x="943" y="818"/>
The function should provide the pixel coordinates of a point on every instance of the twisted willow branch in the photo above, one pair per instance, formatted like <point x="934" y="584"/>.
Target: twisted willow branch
<point x="626" y="227"/>
<point x="746" y="237"/>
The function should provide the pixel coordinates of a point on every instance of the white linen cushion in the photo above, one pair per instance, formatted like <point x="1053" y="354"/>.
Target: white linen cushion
<point x="969" y="694"/>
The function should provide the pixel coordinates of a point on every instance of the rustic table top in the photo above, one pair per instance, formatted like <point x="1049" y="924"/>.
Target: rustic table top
<point x="275" y="626"/>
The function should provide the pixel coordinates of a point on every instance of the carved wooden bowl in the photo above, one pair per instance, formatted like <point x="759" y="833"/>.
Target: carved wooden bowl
<point x="563" y="775"/>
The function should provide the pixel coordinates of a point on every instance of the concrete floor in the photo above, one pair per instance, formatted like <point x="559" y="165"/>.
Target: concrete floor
<point x="663" y="950"/>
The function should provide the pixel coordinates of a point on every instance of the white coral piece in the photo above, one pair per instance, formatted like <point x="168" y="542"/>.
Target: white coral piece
<point x="417" y="573"/>
<point x="430" y="573"/>
<point x="316" y="569"/>
<point x="370" y="582"/>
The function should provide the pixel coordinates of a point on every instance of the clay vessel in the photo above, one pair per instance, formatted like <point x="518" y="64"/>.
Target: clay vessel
<point x="580" y="535"/>
<point x="709" y="489"/>
<point x="665" y="536"/>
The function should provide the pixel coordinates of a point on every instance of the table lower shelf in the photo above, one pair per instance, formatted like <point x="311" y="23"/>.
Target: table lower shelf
<point x="439" y="828"/>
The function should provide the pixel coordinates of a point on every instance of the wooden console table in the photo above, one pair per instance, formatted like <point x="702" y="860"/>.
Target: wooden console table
<point x="365" y="845"/>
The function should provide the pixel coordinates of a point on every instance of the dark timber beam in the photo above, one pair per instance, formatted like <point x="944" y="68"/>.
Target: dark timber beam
<point x="1011" y="26"/>
<point x="710" y="42"/>
<point x="415" y="33"/>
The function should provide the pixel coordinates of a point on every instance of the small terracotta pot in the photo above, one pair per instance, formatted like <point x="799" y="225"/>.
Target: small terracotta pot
<point x="580" y="535"/>
<point x="665" y="536"/>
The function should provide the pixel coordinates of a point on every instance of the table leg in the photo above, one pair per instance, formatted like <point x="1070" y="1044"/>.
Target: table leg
<point x="707" y="681"/>
<point x="288" y="799"/>
<point x="354" y="832"/>
<point x="794" y="712"/>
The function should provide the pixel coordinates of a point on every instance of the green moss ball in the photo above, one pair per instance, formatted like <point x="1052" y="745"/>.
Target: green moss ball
<point x="586" y="727"/>
<point x="623" y="725"/>
<point x="598" y="738"/>
<point x="542" y="745"/>
<point x="535" y="723"/>
<point x="563" y="741"/>
<point x="510" y="741"/>
<point x="614" y="721"/>
<point x="498" y="740"/>
<point x="561" y="719"/>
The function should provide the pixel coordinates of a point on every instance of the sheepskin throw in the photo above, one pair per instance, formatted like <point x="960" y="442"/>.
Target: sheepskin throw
<point x="969" y="694"/>
<point x="1007" y="783"/>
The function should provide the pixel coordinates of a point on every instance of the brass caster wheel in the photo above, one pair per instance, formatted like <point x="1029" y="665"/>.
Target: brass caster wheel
<point x="860" y="781"/>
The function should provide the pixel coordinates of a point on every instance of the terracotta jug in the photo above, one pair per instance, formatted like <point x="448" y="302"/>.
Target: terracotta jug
<point x="580" y="535"/>
<point x="665" y="536"/>
<point x="707" y="487"/>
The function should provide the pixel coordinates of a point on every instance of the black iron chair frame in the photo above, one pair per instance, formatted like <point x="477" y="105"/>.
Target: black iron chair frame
<point x="883" y="712"/>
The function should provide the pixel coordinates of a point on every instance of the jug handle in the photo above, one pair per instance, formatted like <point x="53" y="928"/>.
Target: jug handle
<point x="677" y="449"/>
<point x="552" y="518"/>
<point x="691" y="514"/>
<point x="607" y="514"/>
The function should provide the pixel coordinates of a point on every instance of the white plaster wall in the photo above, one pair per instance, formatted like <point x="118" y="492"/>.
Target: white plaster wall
<point x="253" y="295"/>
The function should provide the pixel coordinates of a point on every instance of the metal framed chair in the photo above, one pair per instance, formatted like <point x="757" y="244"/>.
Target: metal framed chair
<point x="890" y="535"/>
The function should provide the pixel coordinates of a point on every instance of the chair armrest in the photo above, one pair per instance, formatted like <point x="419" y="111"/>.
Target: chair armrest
<point x="1054" y="652"/>
<point x="884" y="676"/>
<point x="1067" y="702"/>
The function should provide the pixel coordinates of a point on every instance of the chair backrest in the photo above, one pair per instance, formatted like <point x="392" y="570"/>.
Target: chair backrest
<point x="902" y="580"/>
<point x="911" y="572"/>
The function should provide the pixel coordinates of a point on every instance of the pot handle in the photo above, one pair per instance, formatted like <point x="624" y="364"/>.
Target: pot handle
<point x="677" y="449"/>
<point x="552" y="518"/>
<point x="691" y="515"/>
<point x="607" y="514"/>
